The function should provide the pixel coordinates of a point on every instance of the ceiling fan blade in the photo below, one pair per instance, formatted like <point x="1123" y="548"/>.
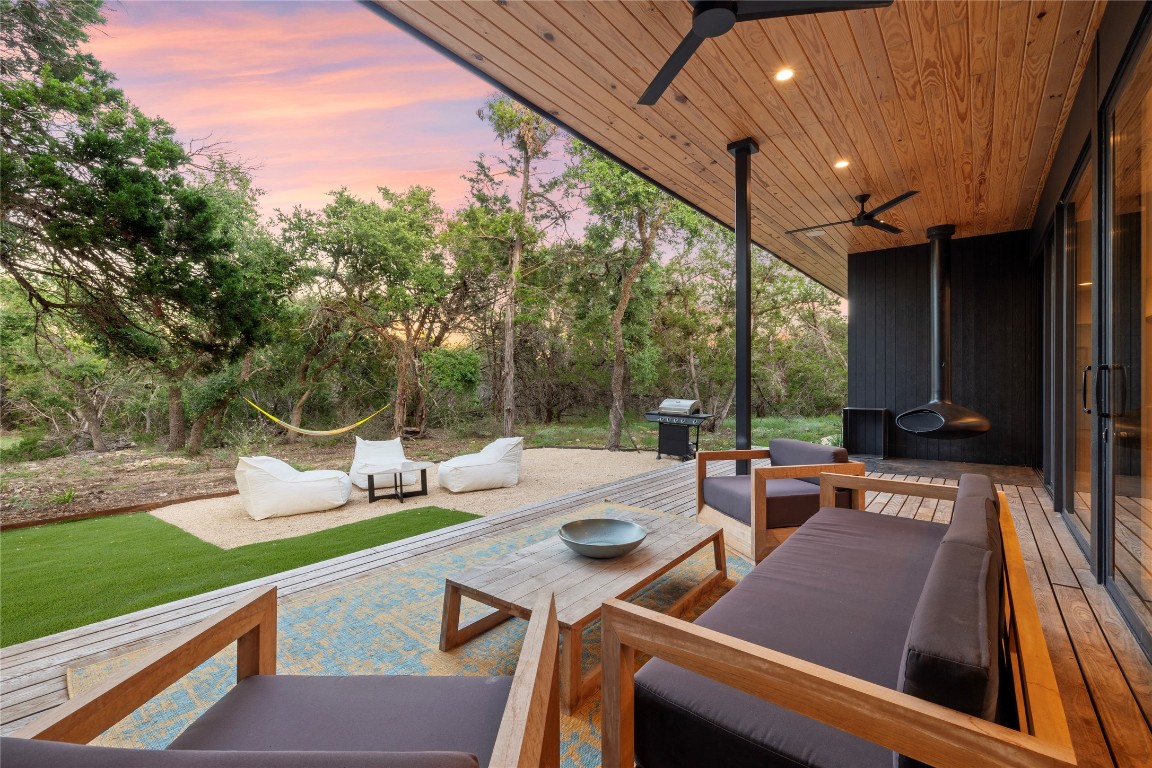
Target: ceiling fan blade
<point x="671" y="68"/>
<point x="882" y="225"/>
<point x="818" y="226"/>
<point x="751" y="10"/>
<point x="893" y="202"/>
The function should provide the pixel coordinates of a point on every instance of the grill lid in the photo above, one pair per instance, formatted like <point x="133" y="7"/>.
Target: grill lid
<point x="677" y="407"/>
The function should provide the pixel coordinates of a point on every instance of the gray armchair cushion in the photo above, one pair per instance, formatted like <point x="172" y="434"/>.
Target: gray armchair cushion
<point x="790" y="453"/>
<point x="356" y="713"/>
<point x="29" y="753"/>
<point x="791" y="501"/>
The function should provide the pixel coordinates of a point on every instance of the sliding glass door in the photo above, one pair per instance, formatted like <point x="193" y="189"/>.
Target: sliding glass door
<point x="1126" y="371"/>
<point x="1078" y="234"/>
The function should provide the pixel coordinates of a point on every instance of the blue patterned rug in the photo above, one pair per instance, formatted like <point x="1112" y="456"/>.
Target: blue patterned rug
<point x="388" y="622"/>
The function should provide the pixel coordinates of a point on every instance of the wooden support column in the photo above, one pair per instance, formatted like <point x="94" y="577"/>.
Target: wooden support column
<point x="743" y="150"/>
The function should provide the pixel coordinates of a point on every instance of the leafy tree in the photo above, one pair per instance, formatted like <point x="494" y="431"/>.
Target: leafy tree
<point x="384" y="265"/>
<point x="98" y="220"/>
<point x="632" y="220"/>
<point x="49" y="373"/>
<point x="520" y="224"/>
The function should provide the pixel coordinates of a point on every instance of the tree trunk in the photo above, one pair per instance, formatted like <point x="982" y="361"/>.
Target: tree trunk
<point x="620" y="356"/>
<point x="297" y="416"/>
<point x="177" y="424"/>
<point x="515" y="254"/>
<point x="91" y="418"/>
<point x="196" y="436"/>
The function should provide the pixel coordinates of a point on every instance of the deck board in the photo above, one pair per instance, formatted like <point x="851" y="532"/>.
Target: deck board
<point x="1105" y="678"/>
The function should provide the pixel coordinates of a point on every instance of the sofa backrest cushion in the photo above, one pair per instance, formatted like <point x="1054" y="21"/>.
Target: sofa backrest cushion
<point x="30" y="753"/>
<point x="789" y="453"/>
<point x="951" y="656"/>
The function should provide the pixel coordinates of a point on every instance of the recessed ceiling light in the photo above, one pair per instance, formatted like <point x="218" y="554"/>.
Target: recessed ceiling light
<point x="815" y="233"/>
<point x="840" y="164"/>
<point x="784" y="74"/>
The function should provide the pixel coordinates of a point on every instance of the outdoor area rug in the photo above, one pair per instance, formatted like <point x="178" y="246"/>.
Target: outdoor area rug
<point x="389" y="623"/>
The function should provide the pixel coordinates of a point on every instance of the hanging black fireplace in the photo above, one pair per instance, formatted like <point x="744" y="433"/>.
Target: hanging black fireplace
<point x="940" y="417"/>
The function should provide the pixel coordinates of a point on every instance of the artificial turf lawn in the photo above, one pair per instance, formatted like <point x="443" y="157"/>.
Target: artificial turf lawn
<point x="65" y="575"/>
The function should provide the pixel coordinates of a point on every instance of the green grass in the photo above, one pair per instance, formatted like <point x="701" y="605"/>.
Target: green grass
<point x="591" y="432"/>
<point x="65" y="575"/>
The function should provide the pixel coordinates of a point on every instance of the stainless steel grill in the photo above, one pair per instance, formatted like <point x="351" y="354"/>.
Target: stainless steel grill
<point x="675" y="416"/>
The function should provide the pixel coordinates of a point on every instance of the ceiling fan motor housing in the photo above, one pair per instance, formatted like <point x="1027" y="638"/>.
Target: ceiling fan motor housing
<point x="712" y="19"/>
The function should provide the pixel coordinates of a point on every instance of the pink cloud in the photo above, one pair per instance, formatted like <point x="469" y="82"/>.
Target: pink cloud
<point x="317" y="95"/>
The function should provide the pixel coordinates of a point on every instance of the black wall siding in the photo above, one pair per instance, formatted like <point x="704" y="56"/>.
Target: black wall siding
<point x="996" y="343"/>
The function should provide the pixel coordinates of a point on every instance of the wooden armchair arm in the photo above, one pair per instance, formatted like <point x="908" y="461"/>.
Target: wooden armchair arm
<point x="906" y="724"/>
<point x="830" y="483"/>
<point x="854" y="468"/>
<point x="251" y="621"/>
<point x="529" y="734"/>
<point x="703" y="457"/>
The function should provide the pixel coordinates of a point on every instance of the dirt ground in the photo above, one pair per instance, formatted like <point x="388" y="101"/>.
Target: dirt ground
<point x="89" y="482"/>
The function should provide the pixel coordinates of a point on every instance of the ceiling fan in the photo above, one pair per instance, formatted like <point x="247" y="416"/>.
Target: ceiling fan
<point x="712" y="19"/>
<point x="866" y="218"/>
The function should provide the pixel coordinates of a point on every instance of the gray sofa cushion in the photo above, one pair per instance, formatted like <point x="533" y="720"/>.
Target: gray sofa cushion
<point x="29" y="753"/>
<point x="790" y="453"/>
<point x="951" y="656"/>
<point x="355" y="713"/>
<point x="840" y="592"/>
<point x="791" y="501"/>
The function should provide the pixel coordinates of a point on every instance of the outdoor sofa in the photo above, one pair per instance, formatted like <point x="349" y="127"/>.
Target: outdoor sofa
<point x="304" y="721"/>
<point x="861" y="639"/>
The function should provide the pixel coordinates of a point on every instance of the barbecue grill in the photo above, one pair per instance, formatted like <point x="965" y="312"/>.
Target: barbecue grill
<point x="676" y="417"/>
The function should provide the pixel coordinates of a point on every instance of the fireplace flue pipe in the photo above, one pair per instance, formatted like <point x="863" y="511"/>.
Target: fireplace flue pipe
<point x="940" y="417"/>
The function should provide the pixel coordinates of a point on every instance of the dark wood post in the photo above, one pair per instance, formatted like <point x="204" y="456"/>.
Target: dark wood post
<point x="743" y="150"/>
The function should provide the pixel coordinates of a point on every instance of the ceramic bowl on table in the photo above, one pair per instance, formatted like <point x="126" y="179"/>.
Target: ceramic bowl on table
<point x="602" y="537"/>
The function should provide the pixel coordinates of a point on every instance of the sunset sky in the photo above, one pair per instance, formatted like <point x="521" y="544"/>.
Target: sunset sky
<point x="319" y="95"/>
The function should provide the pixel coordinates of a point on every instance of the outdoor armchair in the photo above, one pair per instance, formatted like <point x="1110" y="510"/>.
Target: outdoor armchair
<point x="789" y="492"/>
<point x="314" y="721"/>
<point x="270" y="487"/>
<point x="376" y="454"/>
<point x="496" y="466"/>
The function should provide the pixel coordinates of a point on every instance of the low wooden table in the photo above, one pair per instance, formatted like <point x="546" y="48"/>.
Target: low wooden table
<point x="511" y="584"/>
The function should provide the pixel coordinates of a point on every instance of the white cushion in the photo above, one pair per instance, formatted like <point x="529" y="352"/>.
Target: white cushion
<point x="496" y="466"/>
<point x="378" y="454"/>
<point x="271" y="488"/>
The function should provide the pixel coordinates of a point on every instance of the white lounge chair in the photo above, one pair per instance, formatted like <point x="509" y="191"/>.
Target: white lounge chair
<point x="378" y="454"/>
<point x="496" y="466"/>
<point x="271" y="488"/>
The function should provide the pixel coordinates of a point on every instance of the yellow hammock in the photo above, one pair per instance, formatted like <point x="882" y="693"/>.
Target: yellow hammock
<point x="318" y="432"/>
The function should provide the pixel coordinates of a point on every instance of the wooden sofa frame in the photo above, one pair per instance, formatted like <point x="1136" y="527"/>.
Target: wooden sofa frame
<point x="757" y="541"/>
<point x="529" y="734"/>
<point x="924" y="731"/>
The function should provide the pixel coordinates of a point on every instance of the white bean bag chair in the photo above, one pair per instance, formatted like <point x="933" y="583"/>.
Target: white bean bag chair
<point x="271" y="488"/>
<point x="379" y="454"/>
<point x="497" y="466"/>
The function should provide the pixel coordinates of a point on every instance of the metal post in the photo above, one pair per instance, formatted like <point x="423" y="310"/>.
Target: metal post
<point x="743" y="150"/>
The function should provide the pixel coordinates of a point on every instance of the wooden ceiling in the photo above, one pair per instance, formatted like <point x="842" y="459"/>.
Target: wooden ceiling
<point x="964" y="101"/>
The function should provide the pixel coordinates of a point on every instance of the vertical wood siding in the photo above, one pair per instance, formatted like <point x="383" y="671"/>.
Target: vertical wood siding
<point x="996" y="344"/>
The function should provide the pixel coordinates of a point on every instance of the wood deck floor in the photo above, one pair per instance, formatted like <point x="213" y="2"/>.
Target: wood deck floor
<point x="1104" y="676"/>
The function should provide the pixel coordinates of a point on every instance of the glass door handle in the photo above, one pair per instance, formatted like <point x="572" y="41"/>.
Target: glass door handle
<point x="1084" y="390"/>
<point x="1100" y="390"/>
<point x="1122" y="401"/>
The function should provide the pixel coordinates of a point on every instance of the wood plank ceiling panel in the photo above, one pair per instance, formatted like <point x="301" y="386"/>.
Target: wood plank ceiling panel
<point x="964" y="101"/>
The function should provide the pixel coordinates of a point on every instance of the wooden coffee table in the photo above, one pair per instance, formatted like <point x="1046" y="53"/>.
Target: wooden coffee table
<point x="511" y="583"/>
